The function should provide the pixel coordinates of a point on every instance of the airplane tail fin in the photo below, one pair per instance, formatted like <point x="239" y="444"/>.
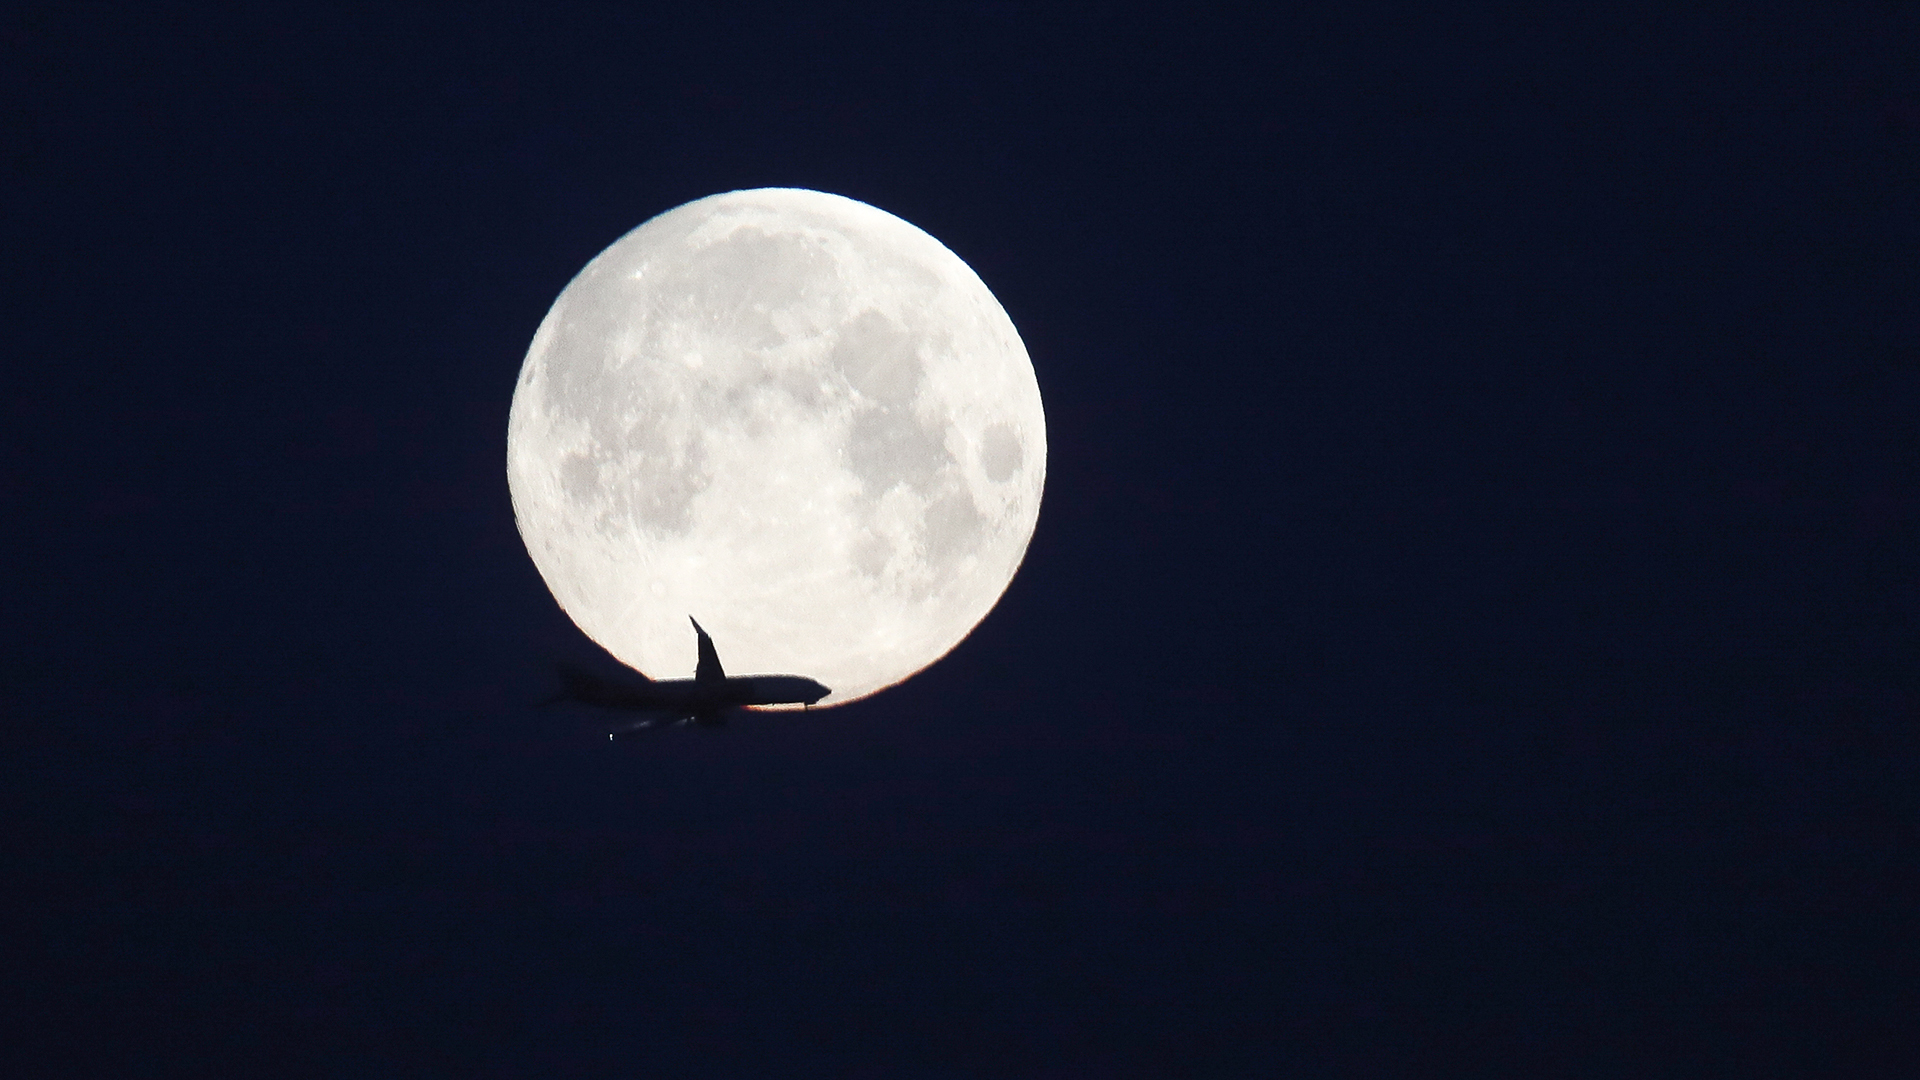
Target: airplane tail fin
<point x="709" y="670"/>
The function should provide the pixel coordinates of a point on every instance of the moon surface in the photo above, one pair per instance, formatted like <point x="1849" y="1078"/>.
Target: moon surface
<point x="791" y="415"/>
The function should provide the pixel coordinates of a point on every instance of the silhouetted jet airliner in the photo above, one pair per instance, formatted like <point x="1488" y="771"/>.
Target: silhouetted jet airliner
<point x="702" y="699"/>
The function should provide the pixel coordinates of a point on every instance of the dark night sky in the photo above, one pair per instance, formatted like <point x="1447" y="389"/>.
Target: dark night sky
<point x="1470" y="628"/>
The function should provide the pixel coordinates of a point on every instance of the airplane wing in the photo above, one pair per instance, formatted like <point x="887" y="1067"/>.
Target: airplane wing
<point x="587" y="688"/>
<point x="654" y="718"/>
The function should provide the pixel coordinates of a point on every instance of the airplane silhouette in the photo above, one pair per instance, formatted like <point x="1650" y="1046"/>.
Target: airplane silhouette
<point x="703" y="699"/>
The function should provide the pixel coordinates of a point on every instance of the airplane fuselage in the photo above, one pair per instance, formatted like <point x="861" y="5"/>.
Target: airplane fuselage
<point x="735" y="692"/>
<point x="702" y="699"/>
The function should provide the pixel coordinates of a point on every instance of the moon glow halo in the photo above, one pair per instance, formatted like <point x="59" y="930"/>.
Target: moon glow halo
<point x="792" y="415"/>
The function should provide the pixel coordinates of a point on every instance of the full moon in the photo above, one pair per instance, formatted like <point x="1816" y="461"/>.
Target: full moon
<point x="791" y="415"/>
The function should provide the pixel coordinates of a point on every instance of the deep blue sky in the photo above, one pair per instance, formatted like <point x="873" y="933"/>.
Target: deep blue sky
<point x="1470" y="628"/>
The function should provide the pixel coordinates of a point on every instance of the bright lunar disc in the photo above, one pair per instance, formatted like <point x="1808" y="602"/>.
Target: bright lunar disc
<point x="791" y="415"/>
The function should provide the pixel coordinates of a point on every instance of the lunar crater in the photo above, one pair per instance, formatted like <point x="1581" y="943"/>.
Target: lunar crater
<point x="1000" y="453"/>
